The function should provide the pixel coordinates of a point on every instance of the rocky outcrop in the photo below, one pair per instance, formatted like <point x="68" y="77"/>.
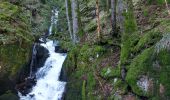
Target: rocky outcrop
<point x="19" y="22"/>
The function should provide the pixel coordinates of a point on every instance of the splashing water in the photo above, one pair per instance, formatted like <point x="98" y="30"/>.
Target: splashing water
<point x="48" y="86"/>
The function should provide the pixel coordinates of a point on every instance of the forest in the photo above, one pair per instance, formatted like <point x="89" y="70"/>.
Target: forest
<point x="84" y="49"/>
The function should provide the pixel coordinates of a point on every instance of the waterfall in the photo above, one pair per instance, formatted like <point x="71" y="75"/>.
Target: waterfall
<point x="48" y="86"/>
<point x="34" y="52"/>
<point x="54" y="19"/>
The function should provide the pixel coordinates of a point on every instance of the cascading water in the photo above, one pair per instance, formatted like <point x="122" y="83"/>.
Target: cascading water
<point x="48" y="85"/>
<point x="34" y="52"/>
<point x="54" y="20"/>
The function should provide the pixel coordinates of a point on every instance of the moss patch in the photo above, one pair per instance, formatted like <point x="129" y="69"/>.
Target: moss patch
<point x="138" y="67"/>
<point x="8" y="96"/>
<point x="13" y="57"/>
<point x="109" y="72"/>
<point x="14" y="24"/>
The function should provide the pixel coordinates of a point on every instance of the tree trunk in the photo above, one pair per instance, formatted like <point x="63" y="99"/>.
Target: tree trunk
<point x="113" y="16"/>
<point x="120" y="15"/>
<point x="167" y="7"/>
<point x="74" y="7"/>
<point x="68" y="20"/>
<point x="98" y="19"/>
<point x="107" y="5"/>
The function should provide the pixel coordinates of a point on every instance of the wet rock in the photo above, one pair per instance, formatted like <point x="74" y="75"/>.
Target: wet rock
<point x="24" y="82"/>
<point x="25" y="87"/>
<point x="58" y="49"/>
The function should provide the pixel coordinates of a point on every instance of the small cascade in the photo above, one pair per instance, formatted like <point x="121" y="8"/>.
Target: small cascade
<point x="54" y="19"/>
<point x="33" y="58"/>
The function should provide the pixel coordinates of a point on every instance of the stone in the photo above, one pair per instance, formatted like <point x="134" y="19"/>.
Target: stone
<point x="145" y="83"/>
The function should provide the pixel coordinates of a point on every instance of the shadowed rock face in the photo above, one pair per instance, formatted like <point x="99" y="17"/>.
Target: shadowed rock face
<point x="58" y="49"/>
<point x="25" y="82"/>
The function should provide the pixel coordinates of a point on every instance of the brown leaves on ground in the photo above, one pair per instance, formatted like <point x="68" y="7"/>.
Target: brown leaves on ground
<point x="109" y="60"/>
<point x="147" y="15"/>
<point x="112" y="59"/>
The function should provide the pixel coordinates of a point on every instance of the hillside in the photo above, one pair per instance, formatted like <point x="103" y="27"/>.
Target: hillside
<point x="116" y="49"/>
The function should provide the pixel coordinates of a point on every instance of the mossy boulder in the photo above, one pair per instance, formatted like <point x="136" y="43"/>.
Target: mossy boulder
<point x="163" y="68"/>
<point x="139" y="66"/>
<point x="147" y="40"/>
<point x="8" y="96"/>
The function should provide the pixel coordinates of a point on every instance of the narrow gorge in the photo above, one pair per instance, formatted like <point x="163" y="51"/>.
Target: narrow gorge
<point x="84" y="49"/>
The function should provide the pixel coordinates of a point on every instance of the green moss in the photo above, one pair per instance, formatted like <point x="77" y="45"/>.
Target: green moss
<point x="8" y="96"/>
<point x="83" y="71"/>
<point x="8" y="10"/>
<point x="109" y="72"/>
<point x="130" y="36"/>
<point x="87" y="52"/>
<point x="160" y="2"/>
<point x="14" y="25"/>
<point x="130" y="22"/>
<point x="128" y="43"/>
<point x="147" y="40"/>
<point x="164" y="60"/>
<point x="91" y="26"/>
<point x="121" y="86"/>
<point x="125" y="51"/>
<point x="13" y="57"/>
<point x="138" y="67"/>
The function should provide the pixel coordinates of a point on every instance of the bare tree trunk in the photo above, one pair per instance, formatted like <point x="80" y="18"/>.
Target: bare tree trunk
<point x="74" y="7"/>
<point x="98" y="19"/>
<point x="68" y="20"/>
<point x="120" y="15"/>
<point x="113" y="16"/>
<point x="167" y="7"/>
<point x="107" y="5"/>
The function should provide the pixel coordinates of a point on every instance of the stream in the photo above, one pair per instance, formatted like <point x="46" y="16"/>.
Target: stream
<point x="48" y="85"/>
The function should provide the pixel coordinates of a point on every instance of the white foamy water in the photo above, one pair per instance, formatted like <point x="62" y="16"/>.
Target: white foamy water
<point x="48" y="86"/>
<point x="54" y="19"/>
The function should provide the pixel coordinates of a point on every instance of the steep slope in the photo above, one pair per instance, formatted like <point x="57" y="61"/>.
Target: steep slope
<point x="20" y="23"/>
<point x="132" y="66"/>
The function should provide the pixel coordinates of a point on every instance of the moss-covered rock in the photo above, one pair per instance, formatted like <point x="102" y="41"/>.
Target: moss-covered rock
<point x="138" y="67"/>
<point x="19" y="25"/>
<point x="163" y="68"/>
<point x="146" y="71"/>
<point x="147" y="40"/>
<point x="8" y="96"/>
